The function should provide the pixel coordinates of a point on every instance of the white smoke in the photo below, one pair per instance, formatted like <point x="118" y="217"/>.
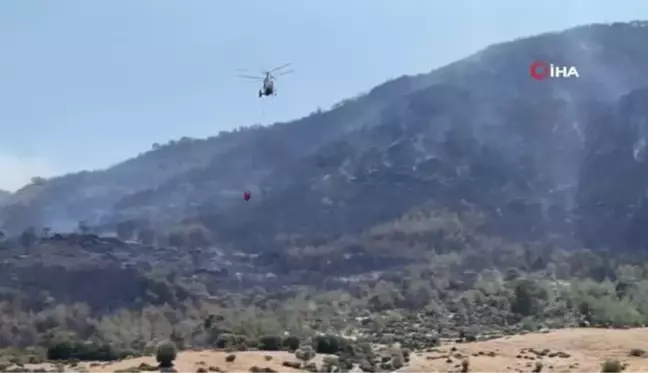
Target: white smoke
<point x="638" y="150"/>
<point x="16" y="171"/>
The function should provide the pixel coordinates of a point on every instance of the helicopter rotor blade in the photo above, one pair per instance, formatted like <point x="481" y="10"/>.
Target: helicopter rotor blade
<point x="286" y="72"/>
<point x="250" y="77"/>
<point x="279" y="68"/>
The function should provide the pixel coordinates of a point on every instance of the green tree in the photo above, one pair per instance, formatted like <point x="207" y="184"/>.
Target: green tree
<point x="291" y="343"/>
<point x="528" y="297"/>
<point x="270" y="343"/>
<point x="166" y="353"/>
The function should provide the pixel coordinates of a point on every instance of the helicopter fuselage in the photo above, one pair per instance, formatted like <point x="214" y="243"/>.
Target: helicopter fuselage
<point x="268" y="87"/>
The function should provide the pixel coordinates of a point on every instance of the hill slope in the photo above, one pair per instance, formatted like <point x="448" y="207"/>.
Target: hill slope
<point x="4" y="195"/>
<point x="478" y="130"/>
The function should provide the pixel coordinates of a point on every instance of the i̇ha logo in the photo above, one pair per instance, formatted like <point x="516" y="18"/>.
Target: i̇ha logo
<point x="540" y="70"/>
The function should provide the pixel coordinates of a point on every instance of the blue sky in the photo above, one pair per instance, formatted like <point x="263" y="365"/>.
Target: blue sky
<point x="86" y="84"/>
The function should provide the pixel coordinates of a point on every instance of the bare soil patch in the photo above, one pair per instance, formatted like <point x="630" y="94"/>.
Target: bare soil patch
<point x="567" y="350"/>
<point x="209" y="360"/>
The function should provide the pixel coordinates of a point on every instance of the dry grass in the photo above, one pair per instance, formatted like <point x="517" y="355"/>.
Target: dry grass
<point x="568" y="350"/>
<point x="190" y="361"/>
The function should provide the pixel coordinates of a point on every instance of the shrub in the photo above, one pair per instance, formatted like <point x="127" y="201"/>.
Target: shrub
<point x="144" y="367"/>
<point x="166" y="353"/>
<point x="61" y="350"/>
<point x="230" y="358"/>
<point x="232" y="341"/>
<point x="468" y="334"/>
<point x="127" y="370"/>
<point x="224" y="340"/>
<point x="270" y="343"/>
<point x="311" y="367"/>
<point x="325" y="369"/>
<point x="366" y="366"/>
<point x="291" y="343"/>
<point x="252" y="343"/>
<point x="330" y="344"/>
<point x="611" y="366"/>
<point x="406" y="353"/>
<point x="240" y="342"/>
<point x="432" y="340"/>
<point x="347" y="359"/>
<point x="331" y="360"/>
<point x="291" y="364"/>
<point x="388" y="339"/>
<point x="465" y="366"/>
<point x="67" y="348"/>
<point x="305" y="354"/>
<point x="397" y="361"/>
<point x="256" y="369"/>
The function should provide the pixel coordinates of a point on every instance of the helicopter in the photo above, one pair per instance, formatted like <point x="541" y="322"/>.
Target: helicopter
<point x="268" y="79"/>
